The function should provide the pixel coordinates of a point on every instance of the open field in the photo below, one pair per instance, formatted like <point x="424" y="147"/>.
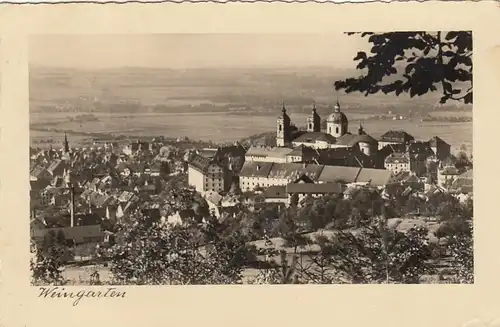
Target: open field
<point x="222" y="127"/>
<point x="215" y="104"/>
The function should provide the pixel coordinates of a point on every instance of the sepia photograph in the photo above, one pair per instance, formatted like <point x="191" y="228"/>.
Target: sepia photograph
<point x="199" y="159"/>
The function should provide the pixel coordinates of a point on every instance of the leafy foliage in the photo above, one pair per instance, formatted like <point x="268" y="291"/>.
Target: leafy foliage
<point x="379" y="254"/>
<point x="416" y="63"/>
<point x="47" y="260"/>
<point x="459" y="236"/>
<point x="462" y="250"/>
<point x="462" y="161"/>
<point x="153" y="253"/>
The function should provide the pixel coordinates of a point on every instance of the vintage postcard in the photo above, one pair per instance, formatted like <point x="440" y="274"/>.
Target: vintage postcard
<point x="315" y="147"/>
<point x="145" y="168"/>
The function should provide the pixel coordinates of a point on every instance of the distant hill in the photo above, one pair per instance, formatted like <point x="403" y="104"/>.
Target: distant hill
<point x="202" y="89"/>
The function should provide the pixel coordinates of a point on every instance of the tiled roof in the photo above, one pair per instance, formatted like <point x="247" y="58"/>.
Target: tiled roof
<point x="339" y="174"/>
<point x="54" y="164"/>
<point x="396" y="136"/>
<point x="365" y="138"/>
<point x="256" y="169"/>
<point x="275" y="192"/>
<point x="213" y="197"/>
<point x="257" y="151"/>
<point x="200" y="163"/>
<point x="376" y="177"/>
<point x="436" y="140"/>
<point x="311" y="137"/>
<point x="314" y="188"/>
<point x="346" y="139"/>
<point x="335" y="153"/>
<point x="236" y="150"/>
<point x="295" y="170"/>
<point x="208" y="152"/>
<point x="420" y="148"/>
<point x="449" y="161"/>
<point x="449" y="171"/>
<point x="125" y="196"/>
<point x="397" y="157"/>
<point x="37" y="171"/>
<point x="352" y="139"/>
<point x="322" y="173"/>
<point x="299" y="150"/>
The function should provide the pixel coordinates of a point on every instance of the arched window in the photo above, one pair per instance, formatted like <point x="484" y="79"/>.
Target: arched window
<point x="337" y="130"/>
<point x="310" y="126"/>
<point x="280" y="128"/>
<point x="329" y="130"/>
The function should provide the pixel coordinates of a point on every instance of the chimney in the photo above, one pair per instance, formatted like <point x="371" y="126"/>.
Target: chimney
<point x="72" y="207"/>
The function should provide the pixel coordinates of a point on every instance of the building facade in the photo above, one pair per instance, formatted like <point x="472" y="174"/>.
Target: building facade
<point x="397" y="162"/>
<point x="207" y="175"/>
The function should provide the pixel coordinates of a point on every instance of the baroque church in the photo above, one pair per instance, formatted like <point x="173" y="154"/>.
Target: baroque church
<point x="336" y="135"/>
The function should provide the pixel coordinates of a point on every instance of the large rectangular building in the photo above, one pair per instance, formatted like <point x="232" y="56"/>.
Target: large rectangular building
<point x="263" y="174"/>
<point x="206" y="174"/>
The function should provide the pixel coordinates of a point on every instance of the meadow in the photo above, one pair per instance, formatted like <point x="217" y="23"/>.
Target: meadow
<point x="218" y="105"/>
<point x="223" y="127"/>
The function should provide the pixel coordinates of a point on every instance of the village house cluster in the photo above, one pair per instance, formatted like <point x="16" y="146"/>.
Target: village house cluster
<point x="82" y="192"/>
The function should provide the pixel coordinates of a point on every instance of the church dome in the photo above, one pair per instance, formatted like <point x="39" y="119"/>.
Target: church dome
<point x="337" y="117"/>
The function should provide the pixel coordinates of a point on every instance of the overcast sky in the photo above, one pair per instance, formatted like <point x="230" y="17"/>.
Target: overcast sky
<point x="196" y="50"/>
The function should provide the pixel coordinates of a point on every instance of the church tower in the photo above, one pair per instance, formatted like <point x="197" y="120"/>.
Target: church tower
<point x="283" y="129"/>
<point x="66" y="149"/>
<point x="314" y="121"/>
<point x="66" y="143"/>
<point x="337" y="123"/>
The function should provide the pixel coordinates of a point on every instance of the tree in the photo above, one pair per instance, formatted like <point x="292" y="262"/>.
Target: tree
<point x="462" y="161"/>
<point x="235" y="188"/>
<point x="459" y="237"/>
<point x="365" y="203"/>
<point x="318" y="267"/>
<point x="294" y="200"/>
<point x="445" y="206"/>
<point x="47" y="260"/>
<point x="342" y="213"/>
<point x="381" y="254"/>
<point x="416" y="63"/>
<point x="317" y="213"/>
<point x="152" y="253"/>
<point x="462" y="251"/>
<point x="396" y="201"/>
<point x="289" y="230"/>
<point x="284" y="273"/>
